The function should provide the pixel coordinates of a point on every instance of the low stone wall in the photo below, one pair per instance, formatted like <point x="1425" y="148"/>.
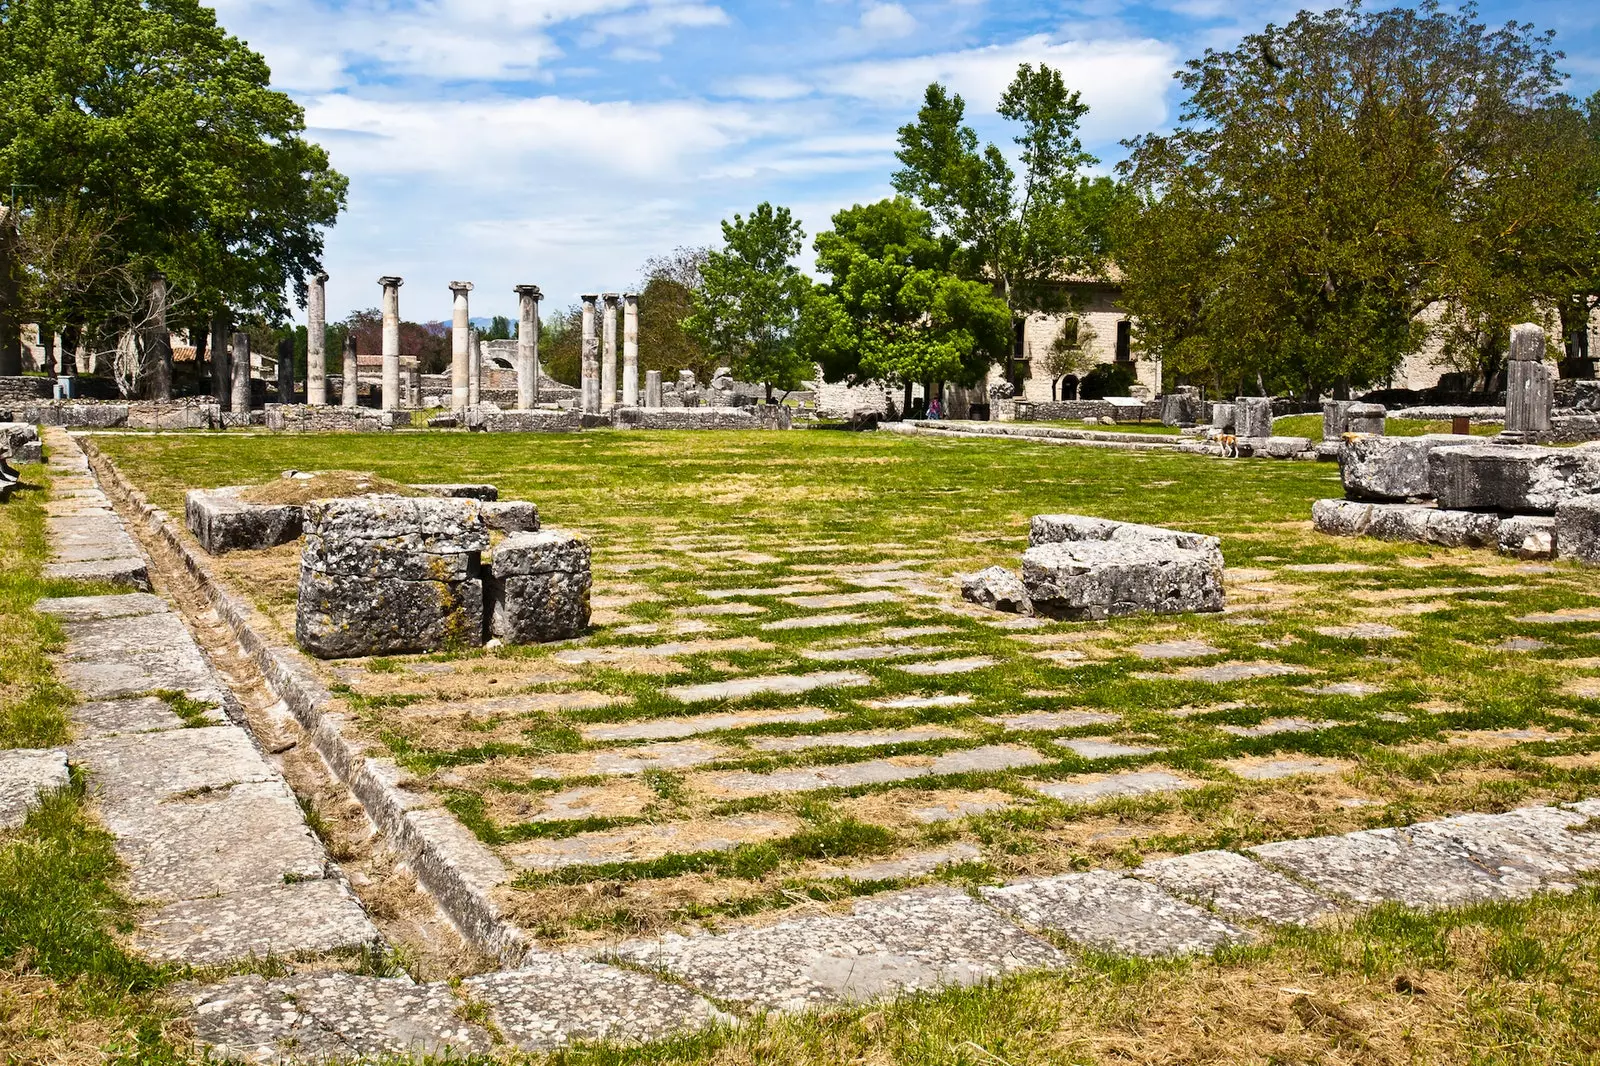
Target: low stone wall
<point x="301" y="418"/>
<point x="133" y="414"/>
<point x="20" y="391"/>
<point x="538" y="420"/>
<point x="762" y="417"/>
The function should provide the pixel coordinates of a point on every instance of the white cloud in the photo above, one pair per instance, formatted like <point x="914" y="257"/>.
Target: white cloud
<point x="766" y="87"/>
<point x="886" y="21"/>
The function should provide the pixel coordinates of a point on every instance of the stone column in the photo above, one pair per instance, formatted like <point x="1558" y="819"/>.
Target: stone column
<point x="652" y="388"/>
<point x="286" y="370"/>
<point x="460" y="322"/>
<point x="239" y="365"/>
<point x="1253" y="416"/>
<point x="158" y="342"/>
<point x="1370" y="418"/>
<point x="630" y="349"/>
<point x="528" y="346"/>
<point x="608" y="359"/>
<point x="391" y="342"/>
<point x="317" y="341"/>
<point x="1528" y="387"/>
<point x="352" y="372"/>
<point x="10" y="325"/>
<point x="589" y="395"/>
<point x="220" y="377"/>
<point x="474" y="367"/>
<point x="411" y="375"/>
<point x="1335" y="419"/>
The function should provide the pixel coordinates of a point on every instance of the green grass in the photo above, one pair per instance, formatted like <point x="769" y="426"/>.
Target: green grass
<point x="1311" y="426"/>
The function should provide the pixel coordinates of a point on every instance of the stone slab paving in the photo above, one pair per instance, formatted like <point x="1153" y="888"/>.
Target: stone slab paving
<point x="915" y="864"/>
<point x="1111" y="912"/>
<point x="875" y="738"/>
<point x="1038" y="720"/>
<point x="833" y="600"/>
<point x="783" y="684"/>
<point x="956" y="807"/>
<point x="1277" y="769"/>
<point x="916" y="702"/>
<point x="87" y="542"/>
<point x="1364" y="631"/>
<point x="945" y="667"/>
<point x="24" y="773"/>
<point x="666" y="755"/>
<point x="1235" y="887"/>
<point x="900" y="942"/>
<point x="1273" y="726"/>
<point x="906" y="632"/>
<point x="1357" y="689"/>
<point x="1092" y="788"/>
<point x="777" y="590"/>
<point x="1175" y="649"/>
<point x="815" y="621"/>
<point x="1224" y="673"/>
<point x="646" y="842"/>
<point x="148" y="714"/>
<point x="306" y="918"/>
<point x="1521" y="644"/>
<point x="865" y="652"/>
<point x="552" y="1000"/>
<point x="1571" y="614"/>
<point x="873" y="771"/>
<point x="672" y="728"/>
<point x="89" y="608"/>
<point x="714" y="609"/>
<point x="1089" y="748"/>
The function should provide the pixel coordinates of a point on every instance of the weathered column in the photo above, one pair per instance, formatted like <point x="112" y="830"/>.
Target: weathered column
<point x="220" y="376"/>
<point x="652" y="388"/>
<point x="391" y="342"/>
<point x="158" y="342"/>
<point x="286" y="370"/>
<point x="589" y="394"/>
<point x="352" y="373"/>
<point x="460" y="322"/>
<point x="317" y="341"/>
<point x="1253" y="416"/>
<point x="528" y="346"/>
<point x="630" y="349"/>
<point x="10" y="325"/>
<point x="239" y="365"/>
<point x="1335" y="419"/>
<point x="1528" y="387"/>
<point x="411" y="372"/>
<point x="608" y="358"/>
<point x="474" y="367"/>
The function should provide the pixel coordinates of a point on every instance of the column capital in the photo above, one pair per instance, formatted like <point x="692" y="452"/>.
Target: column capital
<point x="460" y="287"/>
<point x="391" y="282"/>
<point x="528" y="290"/>
<point x="609" y="297"/>
<point x="321" y="277"/>
<point x="630" y="297"/>
<point x="590" y="297"/>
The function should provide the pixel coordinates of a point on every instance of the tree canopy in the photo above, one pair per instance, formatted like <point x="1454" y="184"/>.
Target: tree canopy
<point x="894" y="310"/>
<point x="747" y="308"/>
<point x="1333" y="179"/>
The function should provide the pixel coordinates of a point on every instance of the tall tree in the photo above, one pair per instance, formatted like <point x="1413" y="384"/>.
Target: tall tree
<point x="151" y="114"/>
<point x="748" y="306"/>
<point x="894" y="309"/>
<point x="1021" y="233"/>
<point x="665" y="301"/>
<point x="1332" y="179"/>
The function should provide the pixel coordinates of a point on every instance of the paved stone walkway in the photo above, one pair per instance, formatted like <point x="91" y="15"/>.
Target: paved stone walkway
<point x="87" y="539"/>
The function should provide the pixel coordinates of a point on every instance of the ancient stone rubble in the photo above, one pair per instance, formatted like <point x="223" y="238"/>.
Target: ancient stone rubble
<point x="1512" y="478"/>
<point x="998" y="589"/>
<point x="539" y="587"/>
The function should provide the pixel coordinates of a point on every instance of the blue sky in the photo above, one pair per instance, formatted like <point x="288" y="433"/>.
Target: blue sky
<point x="563" y="142"/>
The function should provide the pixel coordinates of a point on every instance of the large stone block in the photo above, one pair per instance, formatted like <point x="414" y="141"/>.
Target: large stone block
<point x="1528" y="536"/>
<point x="1522" y="478"/>
<point x="1391" y="468"/>
<point x="1414" y="522"/>
<point x="1069" y="528"/>
<point x="1366" y="418"/>
<point x="1104" y="579"/>
<point x="539" y="587"/>
<point x="1253" y="416"/>
<point x="339" y="618"/>
<point x="222" y="522"/>
<point x="1578" y="530"/>
<point x="1335" y="419"/>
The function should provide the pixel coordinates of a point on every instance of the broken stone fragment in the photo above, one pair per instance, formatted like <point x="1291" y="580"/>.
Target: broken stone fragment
<point x="1391" y="468"/>
<point x="998" y="589"/>
<point x="1577" y="532"/>
<point x="1103" y="579"/>
<point x="1517" y="479"/>
<point x="539" y="587"/>
<point x="222" y="522"/>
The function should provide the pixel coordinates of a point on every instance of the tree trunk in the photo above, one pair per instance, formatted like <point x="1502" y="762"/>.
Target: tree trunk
<point x="158" y="346"/>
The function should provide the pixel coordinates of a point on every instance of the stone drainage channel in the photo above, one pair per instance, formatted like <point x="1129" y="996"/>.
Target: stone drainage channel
<point x="190" y="775"/>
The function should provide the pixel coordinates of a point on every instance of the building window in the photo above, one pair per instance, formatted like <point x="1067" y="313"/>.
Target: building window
<point x="1124" y="341"/>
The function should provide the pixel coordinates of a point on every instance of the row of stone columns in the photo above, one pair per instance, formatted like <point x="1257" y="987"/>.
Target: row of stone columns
<point x="598" y="391"/>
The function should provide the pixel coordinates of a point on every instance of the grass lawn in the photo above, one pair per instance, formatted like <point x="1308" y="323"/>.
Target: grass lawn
<point x="521" y="743"/>
<point x="1311" y="426"/>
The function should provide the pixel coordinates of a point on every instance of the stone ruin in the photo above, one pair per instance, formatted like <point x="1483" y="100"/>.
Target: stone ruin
<point x="1081" y="568"/>
<point x="19" y="443"/>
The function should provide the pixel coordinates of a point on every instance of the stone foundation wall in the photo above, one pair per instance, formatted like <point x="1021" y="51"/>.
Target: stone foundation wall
<point x="762" y="417"/>
<point x="20" y="391"/>
<point x="300" y="418"/>
<point x="133" y="414"/>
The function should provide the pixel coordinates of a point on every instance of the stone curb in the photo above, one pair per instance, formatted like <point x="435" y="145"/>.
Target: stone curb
<point x="450" y="867"/>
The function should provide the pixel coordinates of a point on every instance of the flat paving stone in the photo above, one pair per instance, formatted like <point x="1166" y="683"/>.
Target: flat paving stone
<point x="1111" y="912"/>
<point x="668" y="755"/>
<point x="832" y="600"/>
<point x="1521" y="644"/>
<point x="815" y="621"/>
<point x="1021" y="621"/>
<point x="1384" y="865"/>
<point x="900" y="703"/>
<point x="24" y="773"/>
<point x="645" y="842"/>
<point x="1089" y="748"/>
<point x="1364" y="631"/>
<point x="310" y="917"/>
<point x="1273" y="726"/>
<point x="873" y="738"/>
<point x="916" y="864"/>
<point x="864" y="652"/>
<point x="784" y="684"/>
<point x="1357" y="689"/>
<point x="593" y="801"/>
<point x="1542" y="841"/>
<point x="552" y="1000"/>
<point x="672" y="728"/>
<point x="113" y="658"/>
<point x="1175" y="649"/>
<point x="326" y="1016"/>
<point x="888" y="944"/>
<point x="1092" y="788"/>
<point x="1328" y="568"/>
<point x="1224" y="673"/>
<point x="153" y="766"/>
<point x="956" y="807"/>
<point x="874" y="771"/>
<point x="148" y="714"/>
<point x="89" y="608"/>
<point x="622" y="654"/>
<point x="1040" y="720"/>
<point x="1571" y="614"/>
<point x="774" y="590"/>
<point x="1235" y="887"/>
<point x="129" y="571"/>
<point x="718" y="609"/>
<point x="907" y="632"/>
<point x="219" y="841"/>
<point x="1277" y="769"/>
<point x="944" y="667"/>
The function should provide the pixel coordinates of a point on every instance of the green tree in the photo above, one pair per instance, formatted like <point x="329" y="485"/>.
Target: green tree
<point x="748" y="306"/>
<point x="1021" y="233"/>
<point x="1332" y="179"/>
<point x="151" y="115"/>
<point x="665" y="301"/>
<point x="894" y="309"/>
